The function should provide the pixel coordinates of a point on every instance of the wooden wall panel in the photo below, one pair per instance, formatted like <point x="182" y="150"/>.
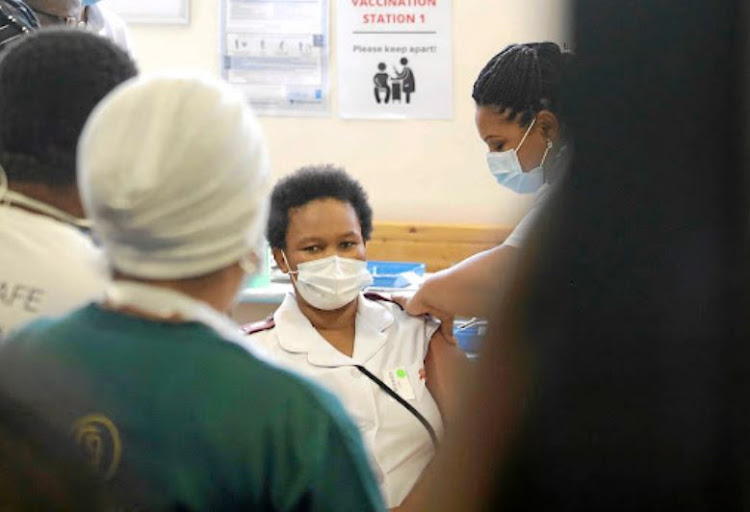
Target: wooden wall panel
<point x="437" y="245"/>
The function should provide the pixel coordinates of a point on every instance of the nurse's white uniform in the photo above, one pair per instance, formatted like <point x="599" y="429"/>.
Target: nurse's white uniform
<point x="386" y="340"/>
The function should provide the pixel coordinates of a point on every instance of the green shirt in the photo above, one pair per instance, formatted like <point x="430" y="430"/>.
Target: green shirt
<point x="198" y="421"/>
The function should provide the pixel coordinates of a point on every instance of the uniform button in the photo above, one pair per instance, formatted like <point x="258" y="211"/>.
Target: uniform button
<point x="355" y="373"/>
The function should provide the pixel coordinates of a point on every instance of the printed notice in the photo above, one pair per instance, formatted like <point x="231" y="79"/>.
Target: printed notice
<point x="276" y="52"/>
<point x="395" y="59"/>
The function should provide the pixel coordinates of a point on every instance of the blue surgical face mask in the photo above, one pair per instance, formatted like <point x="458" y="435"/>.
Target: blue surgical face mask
<point x="506" y="168"/>
<point x="89" y="2"/>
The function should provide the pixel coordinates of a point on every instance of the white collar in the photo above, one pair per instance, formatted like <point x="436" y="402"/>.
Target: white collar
<point x="17" y="199"/>
<point x="296" y="333"/>
<point x="165" y="303"/>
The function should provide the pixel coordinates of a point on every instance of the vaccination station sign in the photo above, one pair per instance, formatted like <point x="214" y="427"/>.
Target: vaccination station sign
<point x="394" y="59"/>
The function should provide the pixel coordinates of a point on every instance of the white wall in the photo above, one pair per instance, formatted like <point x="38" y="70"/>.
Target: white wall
<point x="419" y="170"/>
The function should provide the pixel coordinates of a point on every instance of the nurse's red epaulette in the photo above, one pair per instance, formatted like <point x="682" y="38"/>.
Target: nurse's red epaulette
<point x="262" y="325"/>
<point x="377" y="296"/>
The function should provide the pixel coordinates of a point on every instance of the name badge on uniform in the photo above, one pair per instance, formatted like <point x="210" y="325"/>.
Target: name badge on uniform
<point x="398" y="380"/>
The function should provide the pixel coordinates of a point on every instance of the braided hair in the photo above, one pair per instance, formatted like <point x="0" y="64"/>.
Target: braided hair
<point x="16" y="20"/>
<point x="523" y="79"/>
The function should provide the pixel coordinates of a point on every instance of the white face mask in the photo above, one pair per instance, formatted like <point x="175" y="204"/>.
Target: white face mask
<point x="332" y="282"/>
<point x="506" y="168"/>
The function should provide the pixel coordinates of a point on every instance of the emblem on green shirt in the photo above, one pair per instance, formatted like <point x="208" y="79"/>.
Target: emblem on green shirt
<point x="100" y="440"/>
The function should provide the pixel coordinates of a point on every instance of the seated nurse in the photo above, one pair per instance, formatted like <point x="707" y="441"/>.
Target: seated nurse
<point x="352" y="343"/>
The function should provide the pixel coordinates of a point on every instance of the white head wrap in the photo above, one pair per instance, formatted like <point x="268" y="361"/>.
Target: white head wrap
<point x="173" y="171"/>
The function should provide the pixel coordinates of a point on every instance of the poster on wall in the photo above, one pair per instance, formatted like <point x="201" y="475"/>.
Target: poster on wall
<point x="276" y="52"/>
<point x="395" y="59"/>
<point x="151" y="12"/>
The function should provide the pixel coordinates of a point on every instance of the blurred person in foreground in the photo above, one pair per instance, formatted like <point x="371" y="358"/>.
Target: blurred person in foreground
<point x="620" y="370"/>
<point x="49" y="83"/>
<point x="173" y="172"/>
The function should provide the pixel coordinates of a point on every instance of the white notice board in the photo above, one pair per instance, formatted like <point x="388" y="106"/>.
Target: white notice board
<point x="276" y="52"/>
<point x="395" y="59"/>
<point x="152" y="11"/>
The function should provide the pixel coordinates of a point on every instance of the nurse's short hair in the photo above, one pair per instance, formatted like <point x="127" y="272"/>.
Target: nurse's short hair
<point x="308" y="184"/>
<point x="50" y="81"/>
<point x="524" y="79"/>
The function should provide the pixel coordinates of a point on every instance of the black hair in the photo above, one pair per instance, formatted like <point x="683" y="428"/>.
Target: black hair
<point x="308" y="184"/>
<point x="524" y="79"/>
<point x="50" y="81"/>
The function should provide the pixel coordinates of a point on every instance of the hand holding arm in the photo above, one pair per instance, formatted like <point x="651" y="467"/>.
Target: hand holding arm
<point x="419" y="308"/>
<point x="468" y="288"/>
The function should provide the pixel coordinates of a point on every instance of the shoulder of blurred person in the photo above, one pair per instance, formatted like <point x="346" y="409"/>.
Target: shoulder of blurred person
<point x="52" y="268"/>
<point x="75" y="368"/>
<point x="41" y="469"/>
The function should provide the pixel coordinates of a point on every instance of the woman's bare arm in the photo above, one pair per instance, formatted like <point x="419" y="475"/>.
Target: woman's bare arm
<point x="468" y="288"/>
<point x="446" y="368"/>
